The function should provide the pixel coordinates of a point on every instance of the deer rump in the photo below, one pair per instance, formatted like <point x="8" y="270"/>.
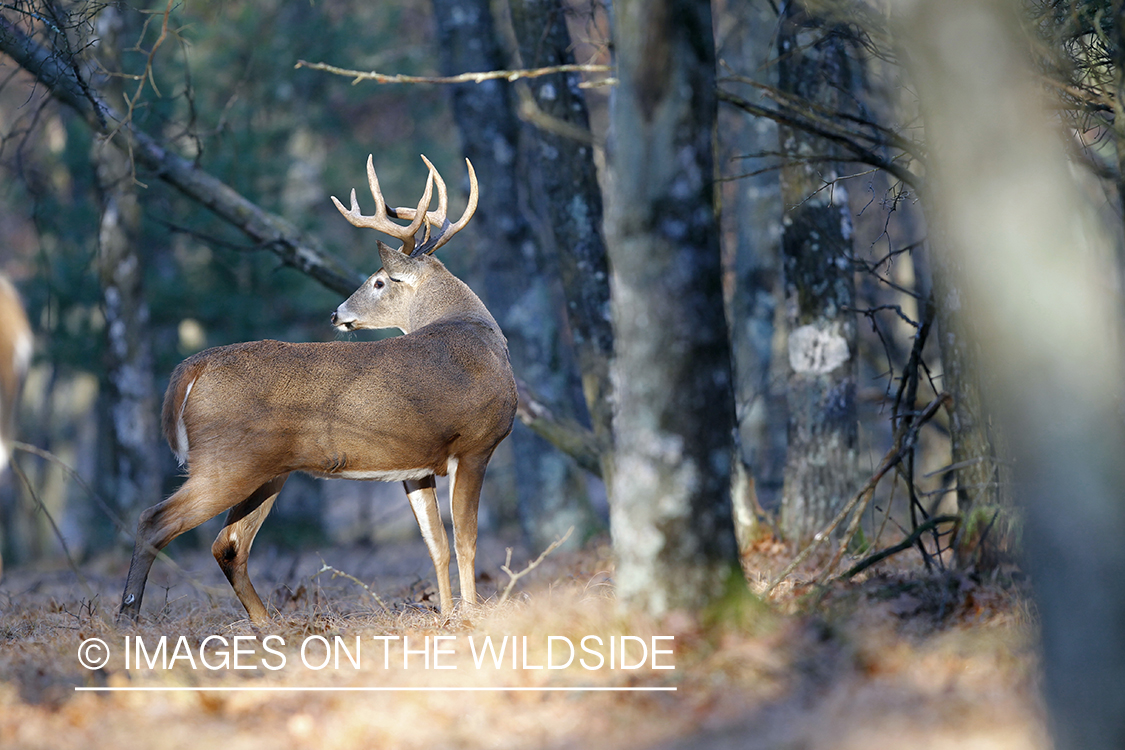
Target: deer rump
<point x="360" y="410"/>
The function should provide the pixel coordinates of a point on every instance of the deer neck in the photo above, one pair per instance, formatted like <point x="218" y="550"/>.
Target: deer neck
<point x="445" y="298"/>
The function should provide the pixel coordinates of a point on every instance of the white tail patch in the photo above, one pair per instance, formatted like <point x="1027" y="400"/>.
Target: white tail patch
<point x="180" y="449"/>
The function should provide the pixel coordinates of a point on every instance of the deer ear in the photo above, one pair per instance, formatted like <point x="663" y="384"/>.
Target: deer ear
<point x="399" y="266"/>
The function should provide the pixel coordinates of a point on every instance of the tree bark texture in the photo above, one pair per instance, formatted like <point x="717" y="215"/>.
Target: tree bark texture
<point x="1032" y="265"/>
<point x="752" y="212"/>
<point x="821" y="470"/>
<point x="135" y="481"/>
<point x="673" y="410"/>
<point x="568" y="180"/>
<point x="550" y="487"/>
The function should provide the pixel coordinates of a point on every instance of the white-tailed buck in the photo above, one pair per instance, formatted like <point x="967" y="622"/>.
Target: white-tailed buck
<point x="15" y="356"/>
<point x="437" y="400"/>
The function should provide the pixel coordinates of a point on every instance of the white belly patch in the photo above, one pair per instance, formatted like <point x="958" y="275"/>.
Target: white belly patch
<point x="397" y="475"/>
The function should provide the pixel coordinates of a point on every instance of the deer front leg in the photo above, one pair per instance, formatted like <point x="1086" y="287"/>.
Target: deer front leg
<point x="423" y="501"/>
<point x="232" y="546"/>
<point x="465" y="481"/>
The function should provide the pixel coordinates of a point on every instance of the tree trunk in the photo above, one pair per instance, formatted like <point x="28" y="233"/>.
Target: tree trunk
<point x="821" y="470"/>
<point x="550" y="487"/>
<point x="673" y="410"/>
<point x="134" y="480"/>
<point x="563" y="159"/>
<point x="1032" y="264"/>
<point x="752" y="212"/>
<point x="989" y="526"/>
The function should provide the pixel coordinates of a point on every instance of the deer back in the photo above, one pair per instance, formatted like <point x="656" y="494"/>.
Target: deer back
<point x="393" y="409"/>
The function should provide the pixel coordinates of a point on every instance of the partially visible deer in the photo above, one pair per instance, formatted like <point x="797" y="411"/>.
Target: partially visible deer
<point x="437" y="400"/>
<point x="15" y="356"/>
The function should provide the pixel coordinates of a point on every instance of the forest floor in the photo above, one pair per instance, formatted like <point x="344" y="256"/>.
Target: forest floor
<point x="899" y="658"/>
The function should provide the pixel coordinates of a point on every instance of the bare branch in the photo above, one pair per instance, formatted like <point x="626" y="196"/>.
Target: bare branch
<point x="513" y="577"/>
<point x="326" y="568"/>
<point x="490" y="75"/>
<point x="897" y="452"/>
<point x="830" y="131"/>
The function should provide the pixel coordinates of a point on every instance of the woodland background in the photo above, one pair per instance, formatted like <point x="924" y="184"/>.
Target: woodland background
<point x="859" y="262"/>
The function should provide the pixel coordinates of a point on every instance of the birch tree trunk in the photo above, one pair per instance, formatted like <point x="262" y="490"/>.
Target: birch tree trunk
<point x="134" y="480"/>
<point x="673" y="410"/>
<point x="821" y="471"/>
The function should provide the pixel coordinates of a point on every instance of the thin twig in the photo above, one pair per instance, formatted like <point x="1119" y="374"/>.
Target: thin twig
<point x="513" y="577"/>
<point x="54" y="527"/>
<point x="905" y="544"/>
<point x="894" y="455"/>
<point x="326" y="568"/>
<point x="113" y="517"/>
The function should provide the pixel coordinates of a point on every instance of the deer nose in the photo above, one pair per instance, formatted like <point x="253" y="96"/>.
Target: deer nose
<point x="334" y="317"/>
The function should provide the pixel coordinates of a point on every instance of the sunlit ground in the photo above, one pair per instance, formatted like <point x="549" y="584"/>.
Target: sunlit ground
<point x="903" y="659"/>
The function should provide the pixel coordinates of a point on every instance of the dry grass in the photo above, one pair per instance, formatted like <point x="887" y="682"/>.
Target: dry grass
<point x="900" y="657"/>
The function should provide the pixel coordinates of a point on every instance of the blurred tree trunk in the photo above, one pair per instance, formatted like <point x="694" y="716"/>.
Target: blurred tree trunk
<point x="1033" y="266"/>
<point x="752" y="210"/>
<point x="989" y="527"/>
<point x="673" y="409"/>
<point x="563" y="159"/>
<point x="821" y="470"/>
<point x="550" y="487"/>
<point x="134" y="480"/>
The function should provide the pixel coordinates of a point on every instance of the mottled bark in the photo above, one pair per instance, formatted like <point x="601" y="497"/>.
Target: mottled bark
<point x="564" y="165"/>
<point x="550" y="488"/>
<point x="1031" y="264"/>
<point x="130" y="399"/>
<point x="821" y="471"/>
<point x="673" y="410"/>
<point x="752" y="212"/>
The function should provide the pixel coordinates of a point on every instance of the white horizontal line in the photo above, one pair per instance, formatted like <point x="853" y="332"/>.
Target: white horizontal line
<point x="284" y="689"/>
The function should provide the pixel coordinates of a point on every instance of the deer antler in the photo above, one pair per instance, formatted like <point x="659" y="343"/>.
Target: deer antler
<point x="380" y="220"/>
<point x="438" y="219"/>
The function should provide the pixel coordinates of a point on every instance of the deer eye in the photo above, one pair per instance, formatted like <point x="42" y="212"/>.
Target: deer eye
<point x="379" y="283"/>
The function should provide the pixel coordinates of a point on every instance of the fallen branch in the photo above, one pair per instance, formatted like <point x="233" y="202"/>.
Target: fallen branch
<point x="513" y="577"/>
<point x="566" y="434"/>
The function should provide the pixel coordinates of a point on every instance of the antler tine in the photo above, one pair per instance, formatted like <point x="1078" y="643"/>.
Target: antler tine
<point x="380" y="221"/>
<point x="446" y="230"/>
<point x="433" y="218"/>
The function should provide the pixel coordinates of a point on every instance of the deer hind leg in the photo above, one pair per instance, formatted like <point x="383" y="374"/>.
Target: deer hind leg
<point x="201" y="497"/>
<point x="232" y="546"/>
<point x="465" y="480"/>
<point x="423" y="501"/>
